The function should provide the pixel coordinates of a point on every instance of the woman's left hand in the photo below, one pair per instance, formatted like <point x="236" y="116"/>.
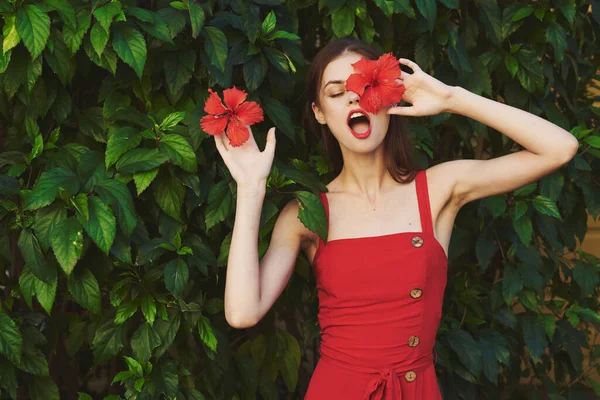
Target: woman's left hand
<point x="427" y="95"/>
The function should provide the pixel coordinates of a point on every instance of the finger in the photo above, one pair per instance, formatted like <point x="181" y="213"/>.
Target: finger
<point x="270" y="145"/>
<point x="220" y="144"/>
<point x="408" y="111"/>
<point x="409" y="63"/>
<point x="225" y="141"/>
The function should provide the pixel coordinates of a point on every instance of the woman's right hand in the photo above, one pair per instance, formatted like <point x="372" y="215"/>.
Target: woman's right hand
<point x="247" y="164"/>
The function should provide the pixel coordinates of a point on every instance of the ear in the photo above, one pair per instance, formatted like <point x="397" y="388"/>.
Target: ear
<point x="318" y="114"/>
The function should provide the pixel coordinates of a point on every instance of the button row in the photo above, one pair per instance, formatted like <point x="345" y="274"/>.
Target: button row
<point x="413" y="341"/>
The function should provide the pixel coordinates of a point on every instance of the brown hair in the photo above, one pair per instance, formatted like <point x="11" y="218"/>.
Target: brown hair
<point x="397" y="143"/>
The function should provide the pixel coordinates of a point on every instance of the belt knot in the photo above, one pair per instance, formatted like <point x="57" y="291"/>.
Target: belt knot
<point x="384" y="387"/>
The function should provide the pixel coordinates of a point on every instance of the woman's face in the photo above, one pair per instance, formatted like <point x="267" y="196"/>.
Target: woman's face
<point x="337" y="106"/>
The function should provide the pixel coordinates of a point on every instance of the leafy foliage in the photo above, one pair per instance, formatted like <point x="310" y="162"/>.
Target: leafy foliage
<point x="116" y="212"/>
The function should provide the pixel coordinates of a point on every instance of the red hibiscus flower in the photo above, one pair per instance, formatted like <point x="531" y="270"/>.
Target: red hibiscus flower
<point x="236" y="111"/>
<point x="375" y="82"/>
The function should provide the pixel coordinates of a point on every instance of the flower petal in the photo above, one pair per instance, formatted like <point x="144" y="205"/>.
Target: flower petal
<point x="249" y="112"/>
<point x="390" y="92"/>
<point x="363" y="77"/>
<point x="213" y="104"/>
<point x="214" y="125"/>
<point x="387" y="68"/>
<point x="357" y="83"/>
<point x="370" y="101"/>
<point x="237" y="132"/>
<point x="233" y="97"/>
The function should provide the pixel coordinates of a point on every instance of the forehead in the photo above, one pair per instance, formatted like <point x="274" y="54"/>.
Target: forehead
<point x="340" y="68"/>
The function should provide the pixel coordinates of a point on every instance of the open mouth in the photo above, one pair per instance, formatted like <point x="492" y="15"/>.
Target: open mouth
<point x="359" y="122"/>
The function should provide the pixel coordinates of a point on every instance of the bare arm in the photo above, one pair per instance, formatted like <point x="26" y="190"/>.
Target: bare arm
<point x="253" y="286"/>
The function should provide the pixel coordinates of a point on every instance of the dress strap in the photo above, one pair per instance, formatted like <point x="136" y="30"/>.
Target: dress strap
<point x="423" y="199"/>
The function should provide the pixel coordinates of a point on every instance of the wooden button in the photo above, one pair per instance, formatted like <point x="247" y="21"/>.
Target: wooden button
<point x="410" y="376"/>
<point x="417" y="241"/>
<point x="416" y="293"/>
<point x="413" y="341"/>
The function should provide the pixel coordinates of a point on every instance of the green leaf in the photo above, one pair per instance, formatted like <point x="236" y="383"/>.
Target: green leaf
<point x="9" y="378"/>
<point x="312" y="213"/>
<point x="283" y="35"/>
<point x="120" y="140"/>
<point x="546" y="206"/>
<point x="74" y="37"/>
<point x="84" y="288"/>
<point x="178" y="71"/>
<point x="593" y="141"/>
<point x="101" y="226"/>
<point x="277" y="59"/>
<point x="80" y="202"/>
<point x="524" y="229"/>
<point x="27" y="285"/>
<point x="108" y="341"/>
<point x="467" y="350"/>
<point x="169" y="194"/>
<point x="255" y="71"/>
<point x="342" y="21"/>
<point x="45" y="221"/>
<point x="106" y="13"/>
<point x="534" y="335"/>
<point x="46" y="292"/>
<point x="33" y="256"/>
<point x="130" y="46"/>
<point x="587" y="277"/>
<point x="47" y="187"/>
<point x="117" y="195"/>
<point x="171" y="121"/>
<point x="512" y="284"/>
<point x="11" y="341"/>
<point x="125" y="311"/>
<point x="522" y="13"/>
<point x="512" y="65"/>
<point x="33" y="26"/>
<point x="33" y="131"/>
<point x="428" y="8"/>
<point x="10" y="33"/>
<point x="148" y="308"/>
<point x="144" y="179"/>
<point x="140" y="160"/>
<point x="67" y="243"/>
<point x="207" y="333"/>
<point x="220" y="202"/>
<point x="215" y="45"/>
<point x="176" y="276"/>
<point x="98" y="38"/>
<point x="280" y="115"/>
<point x="556" y="36"/>
<point x="178" y="5"/>
<point x="167" y="331"/>
<point x="269" y="23"/>
<point x="144" y="340"/>
<point x="180" y="152"/>
<point x="65" y="10"/>
<point x="196" y="18"/>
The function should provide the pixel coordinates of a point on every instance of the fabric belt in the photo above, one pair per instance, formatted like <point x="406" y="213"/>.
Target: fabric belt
<point x="385" y="386"/>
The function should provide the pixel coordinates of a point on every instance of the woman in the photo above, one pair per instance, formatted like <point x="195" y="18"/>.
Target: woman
<point x="382" y="274"/>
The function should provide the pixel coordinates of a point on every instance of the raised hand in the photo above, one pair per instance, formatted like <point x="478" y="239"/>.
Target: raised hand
<point x="247" y="164"/>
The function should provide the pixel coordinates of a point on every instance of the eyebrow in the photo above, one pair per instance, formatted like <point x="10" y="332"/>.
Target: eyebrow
<point x="336" y="82"/>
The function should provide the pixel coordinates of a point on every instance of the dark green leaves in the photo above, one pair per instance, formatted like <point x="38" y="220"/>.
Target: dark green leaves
<point x="196" y="18"/>
<point x="108" y="341"/>
<point x="67" y="243"/>
<point x="119" y="142"/>
<point x="101" y="226"/>
<point x="140" y="160"/>
<point x="169" y="193"/>
<point x="47" y="187"/>
<point x="130" y="46"/>
<point x="342" y="21"/>
<point x="11" y="342"/>
<point x="312" y="213"/>
<point x="33" y="26"/>
<point x="467" y="350"/>
<point x="84" y="288"/>
<point x="176" y="276"/>
<point x="116" y="194"/>
<point x="180" y="152"/>
<point x="215" y="45"/>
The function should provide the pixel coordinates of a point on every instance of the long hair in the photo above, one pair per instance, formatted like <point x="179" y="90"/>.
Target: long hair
<point x="397" y="143"/>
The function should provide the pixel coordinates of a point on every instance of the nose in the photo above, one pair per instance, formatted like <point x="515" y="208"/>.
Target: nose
<point x="353" y="97"/>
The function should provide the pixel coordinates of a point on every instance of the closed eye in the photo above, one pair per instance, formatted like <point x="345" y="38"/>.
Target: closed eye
<point x="337" y="94"/>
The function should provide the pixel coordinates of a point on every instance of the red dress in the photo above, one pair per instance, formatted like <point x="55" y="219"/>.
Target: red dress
<point x="380" y="303"/>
